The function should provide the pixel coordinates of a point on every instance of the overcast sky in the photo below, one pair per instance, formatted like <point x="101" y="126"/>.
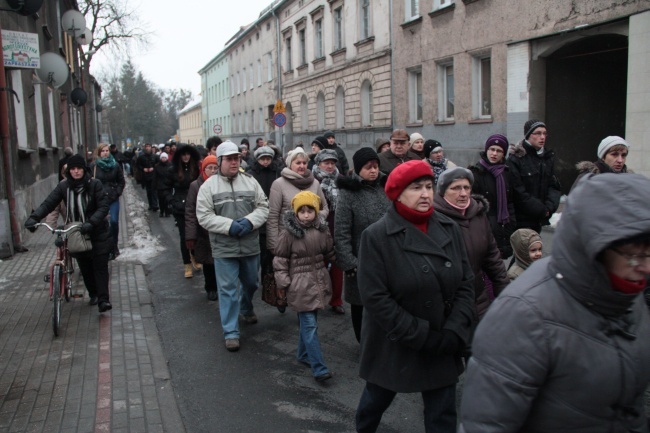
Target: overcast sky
<point x="187" y="34"/>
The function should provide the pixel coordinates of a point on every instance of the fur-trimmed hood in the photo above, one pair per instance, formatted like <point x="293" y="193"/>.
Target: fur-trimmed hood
<point x="354" y="182"/>
<point x="297" y="229"/>
<point x="522" y="148"/>
<point x="597" y="167"/>
<point x="181" y="150"/>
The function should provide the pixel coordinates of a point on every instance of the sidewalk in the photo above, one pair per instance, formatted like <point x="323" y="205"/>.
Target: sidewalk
<point x="103" y="373"/>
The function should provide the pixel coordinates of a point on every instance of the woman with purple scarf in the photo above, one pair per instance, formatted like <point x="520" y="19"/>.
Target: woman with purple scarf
<point x="492" y="181"/>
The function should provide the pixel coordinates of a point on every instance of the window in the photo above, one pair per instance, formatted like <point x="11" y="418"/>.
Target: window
<point x="252" y="76"/>
<point x="318" y="39"/>
<point x="412" y="10"/>
<point x="261" y="117"/>
<point x="232" y="89"/>
<point x="441" y="4"/>
<point x="481" y="87"/>
<point x="240" y="126"/>
<point x="269" y="65"/>
<point x="259" y="72"/>
<point x="303" y="48"/>
<point x="243" y="80"/>
<point x="415" y="95"/>
<point x="367" y="115"/>
<point x="246" y="121"/>
<point x="446" y="92"/>
<point x="340" y="107"/>
<point x="365" y="19"/>
<point x="50" y="102"/>
<point x="304" y="114"/>
<point x="338" y="28"/>
<point x="320" y="109"/>
<point x="287" y="43"/>
<point x="238" y="83"/>
<point x="253" y="126"/>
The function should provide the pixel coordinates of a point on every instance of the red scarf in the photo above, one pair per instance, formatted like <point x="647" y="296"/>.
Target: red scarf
<point x="626" y="286"/>
<point x="417" y="218"/>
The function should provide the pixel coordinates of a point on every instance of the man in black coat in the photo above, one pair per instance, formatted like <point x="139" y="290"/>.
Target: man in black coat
<point x="532" y="170"/>
<point x="342" y="163"/>
<point x="146" y="162"/>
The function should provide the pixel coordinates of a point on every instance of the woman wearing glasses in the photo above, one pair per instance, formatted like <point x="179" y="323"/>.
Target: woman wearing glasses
<point x="573" y="354"/>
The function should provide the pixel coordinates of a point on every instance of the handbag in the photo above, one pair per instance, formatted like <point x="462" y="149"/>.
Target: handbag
<point x="78" y="242"/>
<point x="271" y="294"/>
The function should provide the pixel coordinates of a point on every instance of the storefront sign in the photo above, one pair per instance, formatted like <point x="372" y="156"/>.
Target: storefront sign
<point x="20" y="50"/>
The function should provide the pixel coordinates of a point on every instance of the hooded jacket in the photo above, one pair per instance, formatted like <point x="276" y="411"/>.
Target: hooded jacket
<point x="482" y="251"/>
<point x="576" y="355"/>
<point x="299" y="263"/>
<point x="598" y="167"/>
<point x="521" y="241"/>
<point x="175" y="187"/>
<point x="537" y="189"/>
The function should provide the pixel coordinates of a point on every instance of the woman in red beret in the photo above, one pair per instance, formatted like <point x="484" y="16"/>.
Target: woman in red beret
<point x="416" y="286"/>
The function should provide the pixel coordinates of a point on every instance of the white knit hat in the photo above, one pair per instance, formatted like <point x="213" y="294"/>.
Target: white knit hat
<point x="608" y="143"/>
<point x="416" y="136"/>
<point x="298" y="151"/>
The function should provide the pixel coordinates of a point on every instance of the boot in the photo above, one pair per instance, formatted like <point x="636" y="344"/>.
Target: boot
<point x="188" y="271"/>
<point x="196" y="265"/>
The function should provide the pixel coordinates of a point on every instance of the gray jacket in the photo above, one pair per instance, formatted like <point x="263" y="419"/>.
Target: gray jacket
<point x="560" y="350"/>
<point x="222" y="200"/>
<point x="360" y="204"/>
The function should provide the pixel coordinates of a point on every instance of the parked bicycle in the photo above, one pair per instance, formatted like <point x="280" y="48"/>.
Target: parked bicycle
<point x="60" y="274"/>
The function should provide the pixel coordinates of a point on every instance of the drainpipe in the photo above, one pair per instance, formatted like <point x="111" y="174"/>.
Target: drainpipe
<point x="6" y="151"/>
<point x="392" y="67"/>
<point x="277" y="38"/>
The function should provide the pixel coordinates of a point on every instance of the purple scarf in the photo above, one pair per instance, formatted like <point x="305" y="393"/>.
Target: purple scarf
<point x="503" y="217"/>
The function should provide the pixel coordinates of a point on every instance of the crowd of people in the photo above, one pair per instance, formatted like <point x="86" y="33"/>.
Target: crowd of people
<point x="441" y="266"/>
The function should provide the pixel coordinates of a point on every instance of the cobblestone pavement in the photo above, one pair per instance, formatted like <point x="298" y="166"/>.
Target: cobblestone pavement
<point x="103" y="373"/>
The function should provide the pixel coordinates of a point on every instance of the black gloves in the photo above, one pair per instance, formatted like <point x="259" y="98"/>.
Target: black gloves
<point x="30" y="224"/>
<point x="443" y="342"/>
<point x="351" y="273"/>
<point x="86" y="228"/>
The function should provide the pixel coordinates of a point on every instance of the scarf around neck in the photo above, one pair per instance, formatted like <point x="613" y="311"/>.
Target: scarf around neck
<point x="415" y="217"/>
<point x="496" y="170"/>
<point x="299" y="181"/>
<point x="438" y="168"/>
<point x="77" y="202"/>
<point x="328" y="185"/>
<point x="106" y="164"/>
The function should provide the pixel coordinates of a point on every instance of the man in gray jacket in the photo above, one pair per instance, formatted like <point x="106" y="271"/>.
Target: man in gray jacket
<point x="232" y="207"/>
<point x="564" y="348"/>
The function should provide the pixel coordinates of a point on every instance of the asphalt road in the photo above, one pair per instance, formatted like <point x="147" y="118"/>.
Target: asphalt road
<point x="261" y="388"/>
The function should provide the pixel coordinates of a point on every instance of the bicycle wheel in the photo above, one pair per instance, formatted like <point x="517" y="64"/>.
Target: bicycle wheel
<point x="56" y="299"/>
<point x="66" y="284"/>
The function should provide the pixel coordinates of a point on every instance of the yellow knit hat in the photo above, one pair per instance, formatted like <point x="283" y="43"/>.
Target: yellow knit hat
<point x="305" y="198"/>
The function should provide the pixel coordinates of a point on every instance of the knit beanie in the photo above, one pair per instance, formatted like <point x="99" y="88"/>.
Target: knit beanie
<point x="305" y="198"/>
<point x="497" y="140"/>
<point x="416" y="136"/>
<point x="362" y="156"/>
<point x="295" y="153"/>
<point x="210" y="159"/>
<point x="531" y="126"/>
<point x="328" y="134"/>
<point x="403" y="175"/>
<point x="324" y="155"/>
<point x="448" y="176"/>
<point x="608" y="143"/>
<point x="263" y="151"/>
<point x="76" y="161"/>
<point x="430" y="146"/>
<point x="320" y="141"/>
<point x="164" y="155"/>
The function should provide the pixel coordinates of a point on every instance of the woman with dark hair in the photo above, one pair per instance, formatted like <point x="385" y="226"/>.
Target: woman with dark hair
<point x="86" y="203"/>
<point x="416" y="287"/>
<point x="492" y="182"/>
<point x="109" y="172"/>
<point x="184" y="170"/>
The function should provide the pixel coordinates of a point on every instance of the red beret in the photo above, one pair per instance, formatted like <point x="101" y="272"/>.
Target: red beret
<point x="405" y="174"/>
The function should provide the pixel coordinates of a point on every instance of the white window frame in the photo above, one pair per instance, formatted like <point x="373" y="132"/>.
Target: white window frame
<point x="367" y="105"/>
<point x="318" y="39"/>
<point x="320" y="110"/>
<point x="441" y="4"/>
<point x="19" y="109"/>
<point x="50" y="102"/>
<point x="287" y="47"/>
<point x="252" y="76"/>
<point x="411" y="10"/>
<point x="415" y="95"/>
<point x="40" y="121"/>
<point x="365" y="19"/>
<point x="337" y="21"/>
<point x="444" y="114"/>
<point x="269" y="65"/>
<point x="302" y="42"/>
<point x="259" y="72"/>
<point x="340" y="107"/>
<point x="243" y="80"/>
<point x="304" y="113"/>
<point x="481" y="109"/>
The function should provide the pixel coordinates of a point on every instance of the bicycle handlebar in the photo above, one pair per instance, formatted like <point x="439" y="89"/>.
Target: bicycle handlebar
<point x="58" y="231"/>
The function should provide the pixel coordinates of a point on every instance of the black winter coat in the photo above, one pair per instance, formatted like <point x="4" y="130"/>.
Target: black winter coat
<point x="96" y="211"/>
<point x="112" y="180"/>
<point x="160" y="173"/>
<point x="405" y="276"/>
<point x="146" y="160"/>
<point x="537" y="189"/>
<point x="486" y="185"/>
<point x="265" y="176"/>
<point x="176" y="188"/>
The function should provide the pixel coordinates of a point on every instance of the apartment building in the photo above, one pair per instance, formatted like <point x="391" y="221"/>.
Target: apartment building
<point x="215" y="97"/>
<point x="190" y="129"/>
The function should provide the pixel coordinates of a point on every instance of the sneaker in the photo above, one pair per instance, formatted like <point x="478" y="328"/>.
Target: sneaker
<point x="232" y="344"/>
<point x="323" y="377"/>
<point x="251" y="319"/>
<point x="105" y="306"/>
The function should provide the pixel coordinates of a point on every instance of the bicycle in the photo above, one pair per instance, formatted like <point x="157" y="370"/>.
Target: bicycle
<point x="60" y="274"/>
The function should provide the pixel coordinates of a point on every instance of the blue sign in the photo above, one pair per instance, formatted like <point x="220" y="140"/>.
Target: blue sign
<point x="280" y="119"/>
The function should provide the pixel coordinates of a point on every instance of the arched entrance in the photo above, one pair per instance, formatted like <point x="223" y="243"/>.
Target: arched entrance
<point x="586" y="86"/>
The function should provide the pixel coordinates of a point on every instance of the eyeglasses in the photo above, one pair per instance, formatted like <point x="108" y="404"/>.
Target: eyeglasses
<point x="633" y="260"/>
<point x="540" y="133"/>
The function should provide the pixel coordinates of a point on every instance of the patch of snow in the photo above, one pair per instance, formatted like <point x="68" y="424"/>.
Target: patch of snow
<point x="555" y="218"/>
<point x="142" y="246"/>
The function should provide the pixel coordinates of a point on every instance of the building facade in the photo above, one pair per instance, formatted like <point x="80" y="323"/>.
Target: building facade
<point x="465" y="69"/>
<point x="215" y="97"/>
<point x="190" y="128"/>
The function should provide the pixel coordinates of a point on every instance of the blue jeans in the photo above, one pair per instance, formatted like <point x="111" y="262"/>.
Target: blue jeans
<point x="439" y="408"/>
<point x="232" y="301"/>
<point x="114" y="212"/>
<point x="308" y="344"/>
